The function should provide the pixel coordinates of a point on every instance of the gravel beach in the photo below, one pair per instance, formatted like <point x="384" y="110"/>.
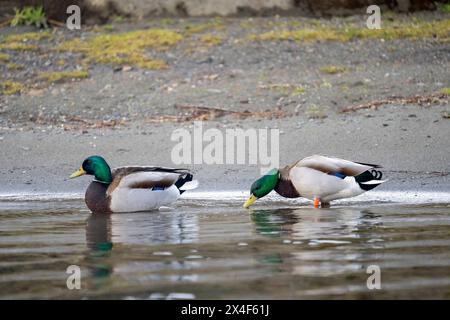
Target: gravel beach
<point x="325" y="97"/>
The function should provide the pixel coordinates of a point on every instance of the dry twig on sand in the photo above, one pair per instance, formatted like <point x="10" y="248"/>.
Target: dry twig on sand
<point x="5" y="23"/>
<point x="420" y="100"/>
<point x="200" y="113"/>
<point x="56" y="23"/>
<point x="91" y="124"/>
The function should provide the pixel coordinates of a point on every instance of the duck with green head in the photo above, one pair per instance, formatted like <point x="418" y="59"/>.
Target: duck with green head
<point x="318" y="178"/>
<point x="132" y="188"/>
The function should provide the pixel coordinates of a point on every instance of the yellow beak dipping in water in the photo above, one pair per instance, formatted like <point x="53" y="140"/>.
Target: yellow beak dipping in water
<point x="77" y="173"/>
<point x="250" y="201"/>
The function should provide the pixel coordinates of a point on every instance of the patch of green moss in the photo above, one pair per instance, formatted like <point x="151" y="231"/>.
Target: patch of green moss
<point x="445" y="91"/>
<point x="23" y="41"/>
<point x="403" y="30"/>
<point x="11" y="87"/>
<point x="332" y="69"/>
<point x="108" y="27"/>
<point x="119" y="19"/>
<point x="28" y="36"/>
<point x="326" y="84"/>
<point x="299" y="90"/>
<point x="63" y="76"/>
<point x="4" y="57"/>
<point x="316" y="112"/>
<point x="167" y="22"/>
<point x="125" y="48"/>
<point x="17" y="46"/>
<point x="285" y="88"/>
<point x="300" y="35"/>
<point x="15" y="66"/>
<point x="211" y="39"/>
<point x="213" y="24"/>
<point x="247" y="24"/>
<point x="418" y="30"/>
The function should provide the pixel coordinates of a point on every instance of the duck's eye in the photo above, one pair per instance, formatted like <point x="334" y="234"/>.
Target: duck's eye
<point x="86" y="164"/>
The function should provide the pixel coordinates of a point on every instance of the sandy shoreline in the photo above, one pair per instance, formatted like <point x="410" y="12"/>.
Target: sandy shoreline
<point x="413" y="151"/>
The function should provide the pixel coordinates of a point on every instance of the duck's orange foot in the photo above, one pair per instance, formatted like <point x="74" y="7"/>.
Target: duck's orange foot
<point x="316" y="203"/>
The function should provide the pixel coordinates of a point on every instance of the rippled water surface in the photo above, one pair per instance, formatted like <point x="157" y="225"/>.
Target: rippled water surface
<point x="212" y="248"/>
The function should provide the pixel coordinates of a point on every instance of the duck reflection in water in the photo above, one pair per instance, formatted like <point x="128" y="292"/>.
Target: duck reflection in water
<point x="307" y="234"/>
<point x="307" y="224"/>
<point x="99" y="245"/>
<point x="105" y="232"/>
<point x="274" y="223"/>
<point x="160" y="227"/>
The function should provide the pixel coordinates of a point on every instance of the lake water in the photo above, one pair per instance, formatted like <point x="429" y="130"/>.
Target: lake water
<point x="208" y="247"/>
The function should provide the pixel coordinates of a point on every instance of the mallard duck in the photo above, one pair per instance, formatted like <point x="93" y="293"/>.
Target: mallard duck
<point x="132" y="189"/>
<point x="318" y="178"/>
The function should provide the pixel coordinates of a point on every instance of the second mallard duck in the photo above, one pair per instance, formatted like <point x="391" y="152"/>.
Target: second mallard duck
<point x="131" y="189"/>
<point x="318" y="178"/>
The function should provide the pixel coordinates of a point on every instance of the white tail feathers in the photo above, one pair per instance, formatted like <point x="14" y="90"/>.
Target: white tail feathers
<point x="374" y="182"/>
<point x="190" y="185"/>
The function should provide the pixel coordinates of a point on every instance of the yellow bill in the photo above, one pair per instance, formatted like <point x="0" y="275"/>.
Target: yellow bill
<point x="250" y="201"/>
<point x="77" y="173"/>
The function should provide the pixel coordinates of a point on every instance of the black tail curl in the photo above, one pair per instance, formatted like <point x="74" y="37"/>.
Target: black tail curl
<point x="366" y="176"/>
<point x="182" y="180"/>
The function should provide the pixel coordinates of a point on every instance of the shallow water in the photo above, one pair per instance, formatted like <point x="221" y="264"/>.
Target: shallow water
<point x="210" y="248"/>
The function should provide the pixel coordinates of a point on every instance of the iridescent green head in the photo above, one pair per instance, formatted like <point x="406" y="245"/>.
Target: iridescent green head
<point x="263" y="186"/>
<point x="96" y="166"/>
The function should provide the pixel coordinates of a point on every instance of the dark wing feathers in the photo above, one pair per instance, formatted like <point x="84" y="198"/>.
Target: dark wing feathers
<point x="369" y="164"/>
<point x="123" y="171"/>
<point x="135" y="177"/>
<point x="165" y="183"/>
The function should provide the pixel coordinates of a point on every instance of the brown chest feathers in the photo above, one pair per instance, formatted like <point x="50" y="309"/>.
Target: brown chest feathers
<point x="96" y="199"/>
<point x="285" y="188"/>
